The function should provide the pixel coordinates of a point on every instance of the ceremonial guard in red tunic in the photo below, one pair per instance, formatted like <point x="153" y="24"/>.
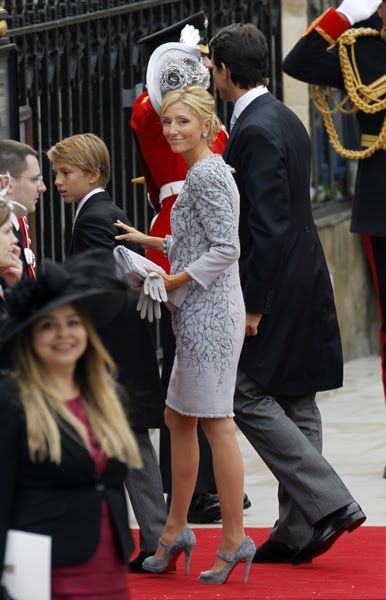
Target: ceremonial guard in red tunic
<point x="332" y="53"/>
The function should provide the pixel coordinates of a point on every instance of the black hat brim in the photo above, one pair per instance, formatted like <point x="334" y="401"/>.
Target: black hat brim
<point x="172" y="32"/>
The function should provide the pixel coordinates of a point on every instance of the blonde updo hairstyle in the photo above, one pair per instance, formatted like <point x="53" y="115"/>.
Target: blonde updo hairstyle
<point x="200" y="102"/>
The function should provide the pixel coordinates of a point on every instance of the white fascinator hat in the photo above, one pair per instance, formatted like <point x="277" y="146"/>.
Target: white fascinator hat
<point x="173" y="66"/>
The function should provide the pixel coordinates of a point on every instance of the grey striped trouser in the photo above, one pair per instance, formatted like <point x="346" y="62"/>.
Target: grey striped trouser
<point x="145" y="490"/>
<point x="286" y="431"/>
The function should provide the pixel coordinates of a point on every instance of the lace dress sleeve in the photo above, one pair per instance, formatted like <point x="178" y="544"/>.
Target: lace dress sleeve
<point x="215" y="196"/>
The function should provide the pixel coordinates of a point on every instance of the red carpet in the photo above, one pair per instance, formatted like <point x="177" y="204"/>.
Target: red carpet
<point x="354" y="569"/>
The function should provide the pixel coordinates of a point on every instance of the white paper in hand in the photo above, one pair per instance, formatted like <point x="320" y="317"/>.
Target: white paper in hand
<point x="27" y="566"/>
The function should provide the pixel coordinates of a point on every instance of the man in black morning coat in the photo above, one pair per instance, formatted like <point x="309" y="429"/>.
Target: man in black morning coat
<point x="292" y="347"/>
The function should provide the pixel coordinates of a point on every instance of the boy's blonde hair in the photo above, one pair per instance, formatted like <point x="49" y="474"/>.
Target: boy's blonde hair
<point x="86" y="151"/>
<point x="199" y="101"/>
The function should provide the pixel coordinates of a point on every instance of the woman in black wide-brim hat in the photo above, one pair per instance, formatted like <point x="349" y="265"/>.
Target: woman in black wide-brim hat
<point x="65" y="444"/>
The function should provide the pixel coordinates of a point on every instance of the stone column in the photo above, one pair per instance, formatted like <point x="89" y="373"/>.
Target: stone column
<point x="294" y="22"/>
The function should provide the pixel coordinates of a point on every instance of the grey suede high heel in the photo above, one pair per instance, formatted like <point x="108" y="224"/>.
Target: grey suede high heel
<point x="245" y="552"/>
<point x="184" y="543"/>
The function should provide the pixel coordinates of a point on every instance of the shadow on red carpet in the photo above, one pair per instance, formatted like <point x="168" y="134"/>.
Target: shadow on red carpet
<point x="354" y="569"/>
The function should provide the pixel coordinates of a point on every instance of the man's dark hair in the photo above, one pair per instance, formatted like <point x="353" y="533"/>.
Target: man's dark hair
<point x="13" y="157"/>
<point x="244" y="51"/>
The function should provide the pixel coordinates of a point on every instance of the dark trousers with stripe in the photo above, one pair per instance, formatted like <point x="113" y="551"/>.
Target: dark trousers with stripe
<point x="375" y="248"/>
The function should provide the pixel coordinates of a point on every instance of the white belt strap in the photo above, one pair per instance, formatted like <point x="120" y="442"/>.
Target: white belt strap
<point x="170" y="189"/>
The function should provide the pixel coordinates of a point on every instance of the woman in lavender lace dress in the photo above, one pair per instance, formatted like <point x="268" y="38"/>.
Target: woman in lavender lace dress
<point x="209" y="327"/>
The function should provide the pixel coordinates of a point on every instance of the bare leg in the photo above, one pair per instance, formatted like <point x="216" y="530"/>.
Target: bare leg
<point x="229" y="474"/>
<point x="185" y="458"/>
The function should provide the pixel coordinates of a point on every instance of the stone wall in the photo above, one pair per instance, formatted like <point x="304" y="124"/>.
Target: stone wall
<point x="294" y="23"/>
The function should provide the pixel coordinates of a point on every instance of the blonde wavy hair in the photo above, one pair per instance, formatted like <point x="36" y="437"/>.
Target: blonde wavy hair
<point x="201" y="104"/>
<point x="45" y="410"/>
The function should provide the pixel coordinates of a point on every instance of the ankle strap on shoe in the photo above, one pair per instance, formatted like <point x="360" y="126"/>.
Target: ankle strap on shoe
<point x="163" y="544"/>
<point x="227" y="557"/>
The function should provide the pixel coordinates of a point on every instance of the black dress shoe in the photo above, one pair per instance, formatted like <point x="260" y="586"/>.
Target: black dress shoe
<point x="135" y="566"/>
<point x="274" y="552"/>
<point x="204" y="508"/>
<point x="247" y="502"/>
<point x="329" y="529"/>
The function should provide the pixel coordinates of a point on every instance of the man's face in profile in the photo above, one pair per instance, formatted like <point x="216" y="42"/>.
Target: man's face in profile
<point x="27" y="186"/>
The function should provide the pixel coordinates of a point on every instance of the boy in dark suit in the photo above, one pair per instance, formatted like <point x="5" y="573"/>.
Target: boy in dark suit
<point x="81" y="164"/>
<point x="292" y="347"/>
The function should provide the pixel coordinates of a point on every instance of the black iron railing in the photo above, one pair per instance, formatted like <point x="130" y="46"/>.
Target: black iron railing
<point x="80" y="68"/>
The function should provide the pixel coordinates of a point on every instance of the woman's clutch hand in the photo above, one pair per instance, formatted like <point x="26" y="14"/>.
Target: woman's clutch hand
<point x="131" y="234"/>
<point x="173" y="281"/>
<point x="154" y="286"/>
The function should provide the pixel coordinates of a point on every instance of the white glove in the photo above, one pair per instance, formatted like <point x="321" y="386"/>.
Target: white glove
<point x="154" y="287"/>
<point x="148" y="307"/>
<point x="358" y="10"/>
<point x="190" y="36"/>
<point x="132" y="266"/>
<point x="143" y="304"/>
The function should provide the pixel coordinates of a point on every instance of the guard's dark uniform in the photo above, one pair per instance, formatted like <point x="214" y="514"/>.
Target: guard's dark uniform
<point x="315" y="59"/>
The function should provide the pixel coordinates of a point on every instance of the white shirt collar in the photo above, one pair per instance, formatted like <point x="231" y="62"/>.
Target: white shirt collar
<point x="85" y="198"/>
<point x="244" y="100"/>
<point x="14" y="220"/>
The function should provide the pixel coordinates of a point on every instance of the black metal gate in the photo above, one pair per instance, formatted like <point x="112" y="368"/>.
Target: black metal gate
<point x="79" y="69"/>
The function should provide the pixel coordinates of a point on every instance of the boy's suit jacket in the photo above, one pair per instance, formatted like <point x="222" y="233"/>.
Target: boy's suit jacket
<point x="63" y="501"/>
<point x="284" y="276"/>
<point x="127" y="338"/>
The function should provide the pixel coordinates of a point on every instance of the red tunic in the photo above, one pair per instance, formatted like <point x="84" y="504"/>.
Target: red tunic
<point x="104" y="575"/>
<point x="160" y="165"/>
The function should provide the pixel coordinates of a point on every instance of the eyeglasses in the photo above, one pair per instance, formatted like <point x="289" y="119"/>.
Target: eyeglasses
<point x="38" y="180"/>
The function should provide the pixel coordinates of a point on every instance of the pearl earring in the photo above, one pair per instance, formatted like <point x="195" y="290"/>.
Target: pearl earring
<point x="205" y="135"/>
